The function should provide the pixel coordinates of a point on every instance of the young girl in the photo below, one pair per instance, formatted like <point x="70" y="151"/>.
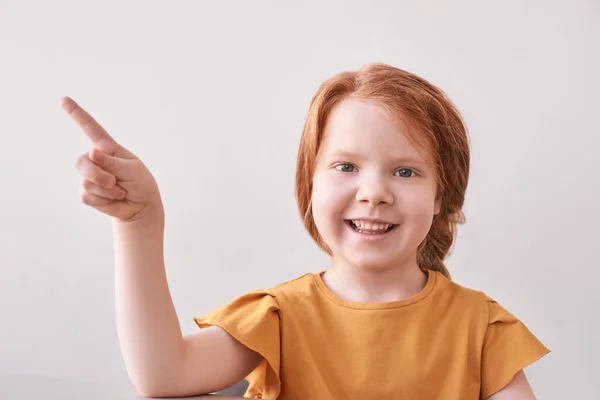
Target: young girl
<point x="382" y="171"/>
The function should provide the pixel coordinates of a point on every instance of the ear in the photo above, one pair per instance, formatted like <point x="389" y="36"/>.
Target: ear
<point x="437" y="206"/>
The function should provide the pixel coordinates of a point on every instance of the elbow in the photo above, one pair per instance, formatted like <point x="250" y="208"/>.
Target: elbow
<point x="152" y="387"/>
<point x="150" y="392"/>
<point x="156" y="392"/>
<point x="162" y="390"/>
<point x="165" y="394"/>
<point x="159" y="380"/>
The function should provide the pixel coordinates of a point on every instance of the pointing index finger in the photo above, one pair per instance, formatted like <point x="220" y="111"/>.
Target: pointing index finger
<point x="88" y="124"/>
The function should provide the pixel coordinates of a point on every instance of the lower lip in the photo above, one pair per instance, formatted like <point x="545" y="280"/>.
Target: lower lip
<point x="369" y="237"/>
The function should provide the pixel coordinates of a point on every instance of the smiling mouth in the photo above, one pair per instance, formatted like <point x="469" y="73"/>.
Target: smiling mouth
<point x="368" y="228"/>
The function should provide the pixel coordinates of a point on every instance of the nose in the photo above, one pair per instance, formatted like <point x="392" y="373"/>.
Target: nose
<point x="374" y="190"/>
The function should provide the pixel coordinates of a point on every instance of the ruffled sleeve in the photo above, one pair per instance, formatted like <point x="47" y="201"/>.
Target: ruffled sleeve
<point x="508" y="347"/>
<point x="253" y="320"/>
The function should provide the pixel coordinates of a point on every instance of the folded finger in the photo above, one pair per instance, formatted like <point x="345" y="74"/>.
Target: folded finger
<point x="93" y="200"/>
<point x="94" y="173"/>
<point x="114" y="193"/>
<point x="122" y="169"/>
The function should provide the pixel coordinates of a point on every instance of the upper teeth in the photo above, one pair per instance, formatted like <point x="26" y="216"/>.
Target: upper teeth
<point x="369" y="225"/>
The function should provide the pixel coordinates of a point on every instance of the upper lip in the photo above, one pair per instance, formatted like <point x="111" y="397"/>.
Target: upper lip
<point x="371" y="220"/>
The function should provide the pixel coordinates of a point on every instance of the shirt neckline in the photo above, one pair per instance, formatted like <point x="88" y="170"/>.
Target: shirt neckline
<point x="429" y="285"/>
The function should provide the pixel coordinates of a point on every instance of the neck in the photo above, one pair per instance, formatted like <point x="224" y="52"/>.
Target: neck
<point x="360" y="284"/>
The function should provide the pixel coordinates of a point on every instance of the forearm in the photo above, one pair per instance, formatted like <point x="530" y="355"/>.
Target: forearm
<point x="149" y="332"/>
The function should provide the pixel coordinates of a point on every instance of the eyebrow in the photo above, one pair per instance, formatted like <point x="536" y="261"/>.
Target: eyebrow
<point x="397" y="159"/>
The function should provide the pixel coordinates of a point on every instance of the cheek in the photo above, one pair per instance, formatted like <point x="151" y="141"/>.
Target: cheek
<point x="330" y="198"/>
<point x="419" y="209"/>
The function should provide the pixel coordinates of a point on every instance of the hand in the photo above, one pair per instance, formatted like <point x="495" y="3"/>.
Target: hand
<point x="114" y="180"/>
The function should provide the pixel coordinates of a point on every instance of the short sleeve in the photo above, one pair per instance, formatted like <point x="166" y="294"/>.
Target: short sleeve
<point x="509" y="346"/>
<point x="253" y="320"/>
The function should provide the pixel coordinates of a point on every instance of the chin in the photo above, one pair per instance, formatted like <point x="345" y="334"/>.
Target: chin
<point x="371" y="262"/>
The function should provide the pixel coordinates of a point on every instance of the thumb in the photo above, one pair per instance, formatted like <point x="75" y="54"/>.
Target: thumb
<point x="121" y="168"/>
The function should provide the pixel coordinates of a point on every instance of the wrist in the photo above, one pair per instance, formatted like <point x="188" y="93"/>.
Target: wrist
<point x="151" y="215"/>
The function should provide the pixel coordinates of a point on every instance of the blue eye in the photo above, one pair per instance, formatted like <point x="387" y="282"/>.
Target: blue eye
<point x="345" y="167"/>
<point x="410" y="171"/>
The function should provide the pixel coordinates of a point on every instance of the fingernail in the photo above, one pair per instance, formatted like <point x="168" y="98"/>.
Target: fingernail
<point x="98" y="155"/>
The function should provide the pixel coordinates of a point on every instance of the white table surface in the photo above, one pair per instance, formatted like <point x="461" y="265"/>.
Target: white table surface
<point x="27" y="387"/>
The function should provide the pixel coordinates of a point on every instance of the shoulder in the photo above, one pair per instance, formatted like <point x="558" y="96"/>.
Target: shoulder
<point x="456" y="290"/>
<point x="293" y="289"/>
<point x="465" y="298"/>
<point x="268" y="298"/>
<point x="473" y="302"/>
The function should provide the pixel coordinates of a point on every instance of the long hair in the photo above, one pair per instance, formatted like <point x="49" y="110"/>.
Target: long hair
<point x="435" y="128"/>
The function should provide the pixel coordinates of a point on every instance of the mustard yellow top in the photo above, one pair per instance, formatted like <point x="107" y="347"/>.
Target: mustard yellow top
<point x="447" y="342"/>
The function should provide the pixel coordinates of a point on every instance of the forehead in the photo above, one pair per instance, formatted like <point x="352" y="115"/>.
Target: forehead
<point x="361" y="126"/>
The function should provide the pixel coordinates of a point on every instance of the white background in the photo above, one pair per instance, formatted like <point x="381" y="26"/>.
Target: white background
<point x="213" y="96"/>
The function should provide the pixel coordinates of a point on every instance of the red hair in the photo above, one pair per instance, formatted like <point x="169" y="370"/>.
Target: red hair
<point x="435" y="127"/>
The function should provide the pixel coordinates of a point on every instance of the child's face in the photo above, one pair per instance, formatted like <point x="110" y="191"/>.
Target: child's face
<point x="367" y="169"/>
